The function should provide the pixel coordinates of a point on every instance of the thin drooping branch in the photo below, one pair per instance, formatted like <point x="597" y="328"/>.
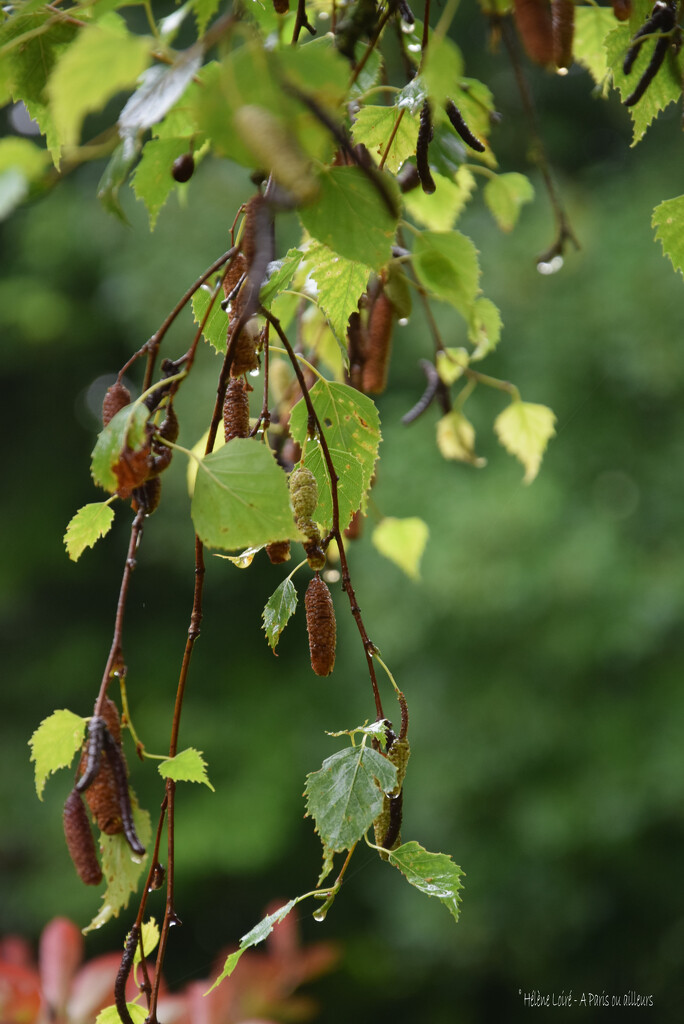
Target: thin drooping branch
<point x="115" y="659"/>
<point x="368" y="645"/>
<point x="564" y="231"/>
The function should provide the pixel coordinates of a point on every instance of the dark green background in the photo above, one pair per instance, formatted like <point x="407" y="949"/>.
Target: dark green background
<point x="541" y="654"/>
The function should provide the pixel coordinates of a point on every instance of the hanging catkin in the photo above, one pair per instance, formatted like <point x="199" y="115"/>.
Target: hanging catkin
<point x="320" y="624"/>
<point x="378" y="346"/>
<point x="80" y="841"/>
<point x="115" y="399"/>
<point x="236" y="410"/>
<point x="102" y="796"/>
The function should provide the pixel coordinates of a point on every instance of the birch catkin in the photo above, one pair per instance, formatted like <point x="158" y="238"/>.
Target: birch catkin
<point x="80" y="841"/>
<point x="102" y="795"/>
<point x="320" y="624"/>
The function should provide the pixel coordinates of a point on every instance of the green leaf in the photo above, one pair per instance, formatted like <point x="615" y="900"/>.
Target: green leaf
<point x="484" y="327"/>
<point x="435" y="874"/>
<point x="350" y="484"/>
<point x="121" y="868"/>
<point x="85" y="528"/>
<point x="440" y="209"/>
<point x="160" y="88"/>
<point x="110" y="1014"/>
<point x="279" y="609"/>
<point x="505" y="196"/>
<point x="125" y="430"/>
<point x="260" y="932"/>
<point x="23" y="155"/>
<point x="456" y="439"/>
<point x="241" y="498"/>
<point x="476" y="104"/>
<point x="668" y="218"/>
<point x="592" y="25"/>
<point x="373" y="127"/>
<point x="524" y="429"/>
<point x="30" y="63"/>
<point x="104" y="59"/>
<point x="665" y="88"/>
<point x="188" y="766"/>
<point x="281" y="273"/>
<point x="451" y="362"/>
<point x="153" y="180"/>
<point x="341" y="283"/>
<point x="345" y="796"/>
<point x="403" y="542"/>
<point x="352" y="428"/>
<point x="351" y="217"/>
<point x="446" y="263"/>
<point x="215" y="330"/>
<point x="204" y="12"/>
<point x="150" y="939"/>
<point x="442" y="70"/>
<point x="115" y="174"/>
<point x="54" y="743"/>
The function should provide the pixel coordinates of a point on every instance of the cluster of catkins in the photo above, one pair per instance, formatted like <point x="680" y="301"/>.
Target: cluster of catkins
<point x="102" y="778"/>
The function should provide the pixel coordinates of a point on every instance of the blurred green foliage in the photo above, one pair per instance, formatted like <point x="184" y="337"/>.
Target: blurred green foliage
<point x="542" y="652"/>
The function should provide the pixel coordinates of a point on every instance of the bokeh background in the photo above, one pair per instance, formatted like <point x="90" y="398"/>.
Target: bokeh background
<point x="542" y="653"/>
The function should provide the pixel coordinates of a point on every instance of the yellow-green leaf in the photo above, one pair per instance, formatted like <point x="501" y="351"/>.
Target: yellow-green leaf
<point x="439" y="210"/>
<point x="456" y="439"/>
<point x="451" y="362"/>
<point x="668" y="219"/>
<point x="525" y="429"/>
<point x="505" y="195"/>
<point x="592" y="25"/>
<point x="403" y="542"/>
<point x="188" y="766"/>
<point x="85" y="528"/>
<point x="373" y="126"/>
<point x="54" y="743"/>
<point x="121" y="868"/>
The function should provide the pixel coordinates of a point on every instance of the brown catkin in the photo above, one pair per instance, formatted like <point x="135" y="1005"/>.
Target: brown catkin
<point x="279" y="551"/>
<point x="320" y="624"/>
<point x="379" y="345"/>
<point x="102" y="797"/>
<point x="563" y="28"/>
<point x="148" y="496"/>
<point x="315" y="555"/>
<point x="281" y="6"/>
<point x="237" y="268"/>
<point x="533" y="21"/>
<point x="253" y="213"/>
<point x="115" y="399"/>
<point x="245" y="356"/>
<point x="80" y="841"/>
<point x="236" y="410"/>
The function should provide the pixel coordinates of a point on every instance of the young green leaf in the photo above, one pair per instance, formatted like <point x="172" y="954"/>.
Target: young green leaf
<point x="160" y="88"/>
<point x="668" y="219"/>
<point x="216" y="328"/>
<point x="505" y="196"/>
<point x="115" y="174"/>
<point x="260" y="932"/>
<point x="54" y="743"/>
<point x="121" y="868"/>
<point x="279" y="609"/>
<point x="484" y="327"/>
<point x="351" y="217"/>
<point x="241" y="498"/>
<point x="125" y="430"/>
<point x="340" y="283"/>
<point x="403" y="542"/>
<point x="446" y="263"/>
<point x="110" y="1014"/>
<point x="524" y="429"/>
<point x="435" y="874"/>
<point x="104" y="59"/>
<point x="373" y="126"/>
<point x="351" y="424"/>
<point x="345" y="796"/>
<point x="86" y="527"/>
<point x="188" y="766"/>
<point x="456" y="439"/>
<point x="442" y="69"/>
